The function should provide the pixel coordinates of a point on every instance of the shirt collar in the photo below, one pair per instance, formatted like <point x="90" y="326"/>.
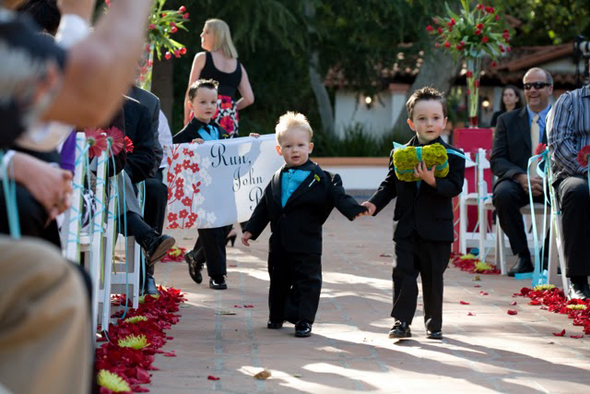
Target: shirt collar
<point x="197" y="123"/>
<point x="542" y="114"/>
<point x="414" y="141"/>
<point x="307" y="166"/>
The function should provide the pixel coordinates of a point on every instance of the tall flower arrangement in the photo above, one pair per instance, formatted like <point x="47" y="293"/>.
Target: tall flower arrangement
<point x="469" y="35"/>
<point x="162" y="25"/>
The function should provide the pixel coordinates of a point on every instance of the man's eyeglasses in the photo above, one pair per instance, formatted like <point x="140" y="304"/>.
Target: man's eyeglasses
<point x="536" y="85"/>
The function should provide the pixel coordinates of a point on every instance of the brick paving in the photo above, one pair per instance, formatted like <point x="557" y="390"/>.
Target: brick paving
<point x="349" y="351"/>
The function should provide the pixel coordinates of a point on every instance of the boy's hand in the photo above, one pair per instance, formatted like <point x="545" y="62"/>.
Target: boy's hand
<point x="198" y="140"/>
<point x="422" y="172"/>
<point x="371" y="208"/>
<point x="245" y="237"/>
<point x="255" y="135"/>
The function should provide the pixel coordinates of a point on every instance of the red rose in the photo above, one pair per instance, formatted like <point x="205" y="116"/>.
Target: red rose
<point x="477" y="32"/>
<point x="484" y="39"/>
<point x="494" y="64"/>
<point x="479" y="26"/>
<point x="436" y="45"/>
<point x="479" y="7"/>
<point x="168" y="55"/>
<point x="152" y="26"/>
<point x="182" y="9"/>
<point x="497" y="18"/>
<point x="185" y="16"/>
<point x="183" y="51"/>
<point x="469" y="74"/>
<point x="429" y="28"/>
<point x="173" y="29"/>
<point x="476" y="83"/>
<point x="447" y="44"/>
<point x="440" y="30"/>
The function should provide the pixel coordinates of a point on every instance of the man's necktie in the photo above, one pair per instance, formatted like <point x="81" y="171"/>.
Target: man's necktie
<point x="535" y="129"/>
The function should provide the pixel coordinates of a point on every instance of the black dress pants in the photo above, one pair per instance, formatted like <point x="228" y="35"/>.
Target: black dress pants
<point x="32" y="217"/>
<point x="210" y="248"/>
<point x="416" y="256"/>
<point x="508" y="198"/>
<point x="574" y="198"/>
<point x="295" y="286"/>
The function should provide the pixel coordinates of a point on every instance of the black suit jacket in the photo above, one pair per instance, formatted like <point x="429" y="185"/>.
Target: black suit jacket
<point x="152" y="102"/>
<point x="191" y="131"/>
<point x="427" y="210"/>
<point x="297" y="227"/>
<point x="512" y="145"/>
<point x="139" y="129"/>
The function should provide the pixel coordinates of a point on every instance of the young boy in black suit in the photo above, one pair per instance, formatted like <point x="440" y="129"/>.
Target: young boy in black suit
<point x="424" y="219"/>
<point x="210" y="245"/>
<point x="297" y="202"/>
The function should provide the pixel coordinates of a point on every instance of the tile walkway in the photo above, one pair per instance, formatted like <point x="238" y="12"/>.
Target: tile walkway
<point x="349" y="351"/>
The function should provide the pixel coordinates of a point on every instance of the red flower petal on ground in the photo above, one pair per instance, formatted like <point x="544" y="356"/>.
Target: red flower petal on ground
<point x="559" y="334"/>
<point x="211" y="377"/>
<point x="248" y="306"/>
<point x="463" y="303"/>
<point x="470" y="314"/>
<point x="477" y="286"/>
<point x="513" y="303"/>
<point x="483" y="293"/>
<point x="512" y="312"/>
<point x="169" y="354"/>
<point x="577" y="336"/>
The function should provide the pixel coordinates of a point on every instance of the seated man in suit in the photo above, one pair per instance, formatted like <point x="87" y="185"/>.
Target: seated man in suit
<point x="139" y="166"/>
<point x="517" y="136"/>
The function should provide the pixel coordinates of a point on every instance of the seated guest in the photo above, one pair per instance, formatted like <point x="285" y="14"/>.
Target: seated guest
<point x="568" y="131"/>
<point x="139" y="165"/>
<point x="511" y="99"/>
<point x="516" y="138"/>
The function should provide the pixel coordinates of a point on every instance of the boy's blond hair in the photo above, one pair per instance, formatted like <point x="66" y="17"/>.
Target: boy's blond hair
<point x="424" y="94"/>
<point x="222" y="37"/>
<point x="292" y="120"/>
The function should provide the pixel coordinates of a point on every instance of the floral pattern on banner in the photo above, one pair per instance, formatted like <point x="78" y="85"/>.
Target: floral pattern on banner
<point x="184" y="185"/>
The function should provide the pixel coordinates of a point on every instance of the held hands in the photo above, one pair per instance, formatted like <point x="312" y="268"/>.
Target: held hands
<point x="536" y="184"/>
<point x="198" y="140"/>
<point x="422" y="172"/>
<point x="371" y="208"/>
<point x="246" y="237"/>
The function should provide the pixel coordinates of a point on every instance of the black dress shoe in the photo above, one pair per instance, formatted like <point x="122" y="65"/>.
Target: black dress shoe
<point x="302" y="329"/>
<point x="577" y="291"/>
<point x="434" y="334"/>
<point x="401" y="329"/>
<point x="271" y="325"/>
<point x="150" y="285"/>
<point x="194" y="268"/>
<point x="218" y="283"/>
<point x="157" y="247"/>
<point x="522" y="265"/>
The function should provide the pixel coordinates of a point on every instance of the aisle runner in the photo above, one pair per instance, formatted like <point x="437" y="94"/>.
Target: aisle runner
<point x="219" y="182"/>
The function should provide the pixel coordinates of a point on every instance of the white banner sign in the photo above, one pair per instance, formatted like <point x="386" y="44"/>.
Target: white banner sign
<point x="219" y="182"/>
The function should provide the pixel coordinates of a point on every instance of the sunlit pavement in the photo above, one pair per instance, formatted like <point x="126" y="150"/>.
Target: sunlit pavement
<point x="484" y="349"/>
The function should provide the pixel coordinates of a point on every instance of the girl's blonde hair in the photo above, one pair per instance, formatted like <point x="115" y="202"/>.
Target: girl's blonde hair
<point x="222" y="36"/>
<point x="292" y="120"/>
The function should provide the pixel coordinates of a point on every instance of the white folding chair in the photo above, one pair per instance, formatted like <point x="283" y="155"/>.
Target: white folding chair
<point x="556" y="240"/>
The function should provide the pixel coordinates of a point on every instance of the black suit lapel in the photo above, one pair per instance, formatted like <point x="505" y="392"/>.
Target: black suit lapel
<point x="276" y="187"/>
<point x="306" y="185"/>
<point x="525" y="129"/>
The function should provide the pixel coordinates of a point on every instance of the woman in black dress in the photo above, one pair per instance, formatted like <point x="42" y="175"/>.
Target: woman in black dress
<point x="219" y="62"/>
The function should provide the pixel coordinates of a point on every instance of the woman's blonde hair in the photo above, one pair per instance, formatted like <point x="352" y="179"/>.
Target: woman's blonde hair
<point x="222" y="36"/>
<point x="292" y="120"/>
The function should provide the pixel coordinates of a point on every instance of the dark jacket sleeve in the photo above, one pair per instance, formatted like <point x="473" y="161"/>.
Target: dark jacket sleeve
<point x="346" y="204"/>
<point x="387" y="190"/>
<point x="261" y="215"/>
<point x="141" y="162"/>
<point x="500" y="162"/>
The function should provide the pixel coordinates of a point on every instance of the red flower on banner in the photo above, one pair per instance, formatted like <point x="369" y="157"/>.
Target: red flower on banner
<point x="185" y="151"/>
<point x="128" y="145"/>
<point x="186" y="164"/>
<point x="173" y="225"/>
<point x="183" y="214"/>
<point x="177" y="169"/>
<point x="172" y="217"/>
<point x="194" y="168"/>
<point x="179" y="193"/>
<point x="193" y="217"/>
<point x="97" y="142"/>
<point x="180" y="183"/>
<point x="170" y="177"/>
<point x="583" y="156"/>
<point x="540" y="148"/>
<point x="187" y="202"/>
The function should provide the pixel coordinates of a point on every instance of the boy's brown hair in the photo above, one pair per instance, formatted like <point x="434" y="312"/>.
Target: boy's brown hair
<point x="201" y="83"/>
<point x="424" y="94"/>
